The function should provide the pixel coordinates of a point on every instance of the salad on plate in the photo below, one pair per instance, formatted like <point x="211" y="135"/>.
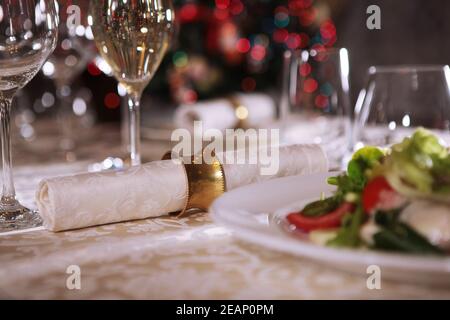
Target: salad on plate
<point x="395" y="199"/>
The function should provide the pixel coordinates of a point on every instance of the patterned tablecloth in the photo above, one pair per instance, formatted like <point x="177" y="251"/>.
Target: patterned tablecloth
<point x="166" y="258"/>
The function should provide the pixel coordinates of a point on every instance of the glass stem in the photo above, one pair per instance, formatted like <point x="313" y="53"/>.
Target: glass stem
<point x="134" y="99"/>
<point x="125" y="124"/>
<point x="8" y="194"/>
<point x="64" y="115"/>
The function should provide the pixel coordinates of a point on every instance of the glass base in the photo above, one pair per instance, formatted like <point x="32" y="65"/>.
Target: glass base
<point x="18" y="218"/>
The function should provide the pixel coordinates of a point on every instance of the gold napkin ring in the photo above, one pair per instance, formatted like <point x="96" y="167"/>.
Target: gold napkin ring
<point x="205" y="183"/>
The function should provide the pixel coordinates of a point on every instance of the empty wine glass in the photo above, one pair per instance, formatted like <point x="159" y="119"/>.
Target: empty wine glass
<point x="316" y="100"/>
<point x="398" y="99"/>
<point x="74" y="49"/>
<point x="28" y="34"/>
<point x="133" y="36"/>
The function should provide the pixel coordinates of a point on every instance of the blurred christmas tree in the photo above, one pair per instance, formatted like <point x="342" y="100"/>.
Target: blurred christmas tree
<point x="220" y="46"/>
<point x="236" y="45"/>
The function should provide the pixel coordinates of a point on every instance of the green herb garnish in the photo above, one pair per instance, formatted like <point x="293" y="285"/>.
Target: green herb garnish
<point x="320" y="207"/>
<point x="348" y="234"/>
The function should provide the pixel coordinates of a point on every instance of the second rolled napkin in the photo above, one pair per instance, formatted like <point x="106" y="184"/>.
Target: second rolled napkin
<point x="150" y="190"/>
<point x="252" y="109"/>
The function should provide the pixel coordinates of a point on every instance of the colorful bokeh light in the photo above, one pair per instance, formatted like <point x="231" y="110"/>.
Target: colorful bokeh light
<point x="112" y="100"/>
<point x="243" y="45"/>
<point x="310" y="85"/>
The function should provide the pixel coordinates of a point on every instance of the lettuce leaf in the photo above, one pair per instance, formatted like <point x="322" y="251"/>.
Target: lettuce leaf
<point x="419" y="166"/>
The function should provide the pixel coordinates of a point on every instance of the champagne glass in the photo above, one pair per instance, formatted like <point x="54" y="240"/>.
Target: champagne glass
<point x="398" y="99"/>
<point x="132" y="36"/>
<point x="28" y="35"/>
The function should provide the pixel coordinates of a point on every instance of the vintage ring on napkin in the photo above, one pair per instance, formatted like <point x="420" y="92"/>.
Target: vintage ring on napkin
<point x="205" y="182"/>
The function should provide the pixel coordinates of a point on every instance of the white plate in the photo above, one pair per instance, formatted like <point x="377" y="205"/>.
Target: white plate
<point x="251" y="212"/>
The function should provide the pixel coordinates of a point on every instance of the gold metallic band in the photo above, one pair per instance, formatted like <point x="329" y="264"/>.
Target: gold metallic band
<point x="205" y="182"/>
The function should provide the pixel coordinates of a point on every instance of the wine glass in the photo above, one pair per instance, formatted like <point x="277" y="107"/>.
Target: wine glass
<point x="132" y="36"/>
<point x="74" y="49"/>
<point x="398" y="99"/>
<point x="28" y="35"/>
<point x="316" y="100"/>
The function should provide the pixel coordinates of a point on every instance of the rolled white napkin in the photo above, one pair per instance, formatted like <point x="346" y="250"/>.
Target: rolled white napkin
<point x="150" y="190"/>
<point x="220" y="113"/>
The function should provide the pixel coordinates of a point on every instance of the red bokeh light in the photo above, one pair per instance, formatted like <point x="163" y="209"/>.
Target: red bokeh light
<point x="221" y="14"/>
<point x="112" y="100"/>
<point x="321" y="53"/>
<point x="281" y="9"/>
<point x="299" y="4"/>
<point x="222" y="4"/>
<point x="305" y="69"/>
<point x="236" y="7"/>
<point x="293" y="41"/>
<point x="280" y="35"/>
<point x="330" y="42"/>
<point x="243" y="45"/>
<point x="188" y="12"/>
<point x="310" y="85"/>
<point x="248" y="84"/>
<point x="307" y="17"/>
<point x="93" y="69"/>
<point x="258" y="52"/>
<point x="190" y="96"/>
<point x="321" y="101"/>
<point x="328" y="30"/>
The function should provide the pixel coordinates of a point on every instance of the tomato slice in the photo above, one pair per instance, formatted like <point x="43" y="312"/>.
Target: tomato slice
<point x="378" y="194"/>
<point x="327" y="221"/>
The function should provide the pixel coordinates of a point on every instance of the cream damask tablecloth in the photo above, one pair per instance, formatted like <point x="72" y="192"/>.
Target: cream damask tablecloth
<point x="166" y="258"/>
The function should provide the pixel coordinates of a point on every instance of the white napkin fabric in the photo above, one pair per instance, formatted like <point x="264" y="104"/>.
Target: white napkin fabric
<point x="150" y="190"/>
<point x="220" y="114"/>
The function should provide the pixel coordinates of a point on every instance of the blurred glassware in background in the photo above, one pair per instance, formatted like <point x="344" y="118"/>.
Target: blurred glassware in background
<point x="315" y="102"/>
<point x="23" y="119"/>
<point x="398" y="99"/>
<point x="28" y="34"/>
<point x="73" y="51"/>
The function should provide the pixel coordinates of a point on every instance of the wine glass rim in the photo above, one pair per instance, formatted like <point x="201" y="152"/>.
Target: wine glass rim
<point x="407" y="68"/>
<point x="323" y="50"/>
